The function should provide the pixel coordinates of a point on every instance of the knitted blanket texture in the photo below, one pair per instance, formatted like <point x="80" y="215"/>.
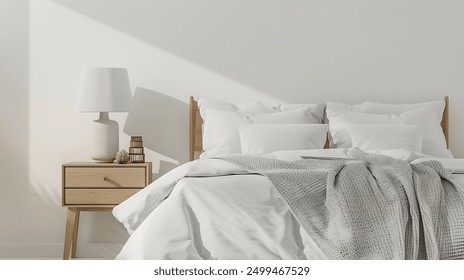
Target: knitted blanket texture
<point x="369" y="206"/>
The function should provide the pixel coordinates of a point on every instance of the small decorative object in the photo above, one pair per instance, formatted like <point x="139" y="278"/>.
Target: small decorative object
<point x="136" y="153"/>
<point x="122" y="157"/>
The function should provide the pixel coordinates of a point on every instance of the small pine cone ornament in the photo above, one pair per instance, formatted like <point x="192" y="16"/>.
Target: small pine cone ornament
<point x="122" y="157"/>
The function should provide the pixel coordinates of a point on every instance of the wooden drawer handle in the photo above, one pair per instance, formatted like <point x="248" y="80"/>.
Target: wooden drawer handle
<point x="108" y="179"/>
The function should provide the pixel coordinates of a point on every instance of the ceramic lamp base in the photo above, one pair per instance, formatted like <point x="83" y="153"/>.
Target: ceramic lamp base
<point x="105" y="139"/>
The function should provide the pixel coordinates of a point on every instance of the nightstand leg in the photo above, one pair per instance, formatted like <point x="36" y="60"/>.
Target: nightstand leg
<point x="75" y="231"/>
<point x="71" y="219"/>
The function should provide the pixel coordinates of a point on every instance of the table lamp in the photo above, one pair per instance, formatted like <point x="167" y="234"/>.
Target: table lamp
<point x="104" y="90"/>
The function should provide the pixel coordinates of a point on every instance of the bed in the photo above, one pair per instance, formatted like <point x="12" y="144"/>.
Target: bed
<point x="354" y="191"/>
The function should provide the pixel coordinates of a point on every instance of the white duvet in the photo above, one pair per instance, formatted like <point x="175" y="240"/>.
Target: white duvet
<point x="211" y="209"/>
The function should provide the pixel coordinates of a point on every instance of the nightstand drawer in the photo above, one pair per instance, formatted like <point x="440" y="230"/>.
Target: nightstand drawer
<point x="97" y="196"/>
<point x="92" y="186"/>
<point x="105" y="177"/>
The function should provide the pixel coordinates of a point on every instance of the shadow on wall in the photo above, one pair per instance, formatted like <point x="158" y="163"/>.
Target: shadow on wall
<point x="263" y="44"/>
<point x="300" y="50"/>
<point x="162" y="121"/>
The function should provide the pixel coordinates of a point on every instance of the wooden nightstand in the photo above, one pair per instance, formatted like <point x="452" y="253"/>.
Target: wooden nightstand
<point x="97" y="187"/>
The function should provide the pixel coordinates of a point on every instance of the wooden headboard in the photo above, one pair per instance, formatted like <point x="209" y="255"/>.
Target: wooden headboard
<point x="195" y="129"/>
<point x="196" y="122"/>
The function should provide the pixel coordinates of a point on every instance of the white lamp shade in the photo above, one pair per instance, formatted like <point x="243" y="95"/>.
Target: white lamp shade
<point x="104" y="90"/>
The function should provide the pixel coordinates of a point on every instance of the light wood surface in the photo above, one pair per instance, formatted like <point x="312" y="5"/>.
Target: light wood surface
<point x="445" y="121"/>
<point x="97" y="196"/>
<point x="72" y="228"/>
<point x="195" y="129"/>
<point x="97" y="187"/>
<point x="196" y="123"/>
<point x="81" y="179"/>
<point x="105" y="177"/>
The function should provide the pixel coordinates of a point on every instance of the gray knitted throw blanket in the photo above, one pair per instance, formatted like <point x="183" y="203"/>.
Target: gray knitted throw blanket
<point x="370" y="206"/>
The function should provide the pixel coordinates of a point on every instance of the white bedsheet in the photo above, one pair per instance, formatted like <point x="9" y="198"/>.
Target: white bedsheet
<point x="214" y="215"/>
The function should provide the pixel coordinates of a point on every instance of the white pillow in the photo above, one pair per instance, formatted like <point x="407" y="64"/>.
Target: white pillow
<point x="317" y="109"/>
<point x="268" y="138"/>
<point x="387" y="137"/>
<point x="382" y="108"/>
<point x="253" y="108"/>
<point x="434" y="142"/>
<point x="299" y="116"/>
<point x="221" y="121"/>
<point x="245" y="108"/>
<point x="220" y="132"/>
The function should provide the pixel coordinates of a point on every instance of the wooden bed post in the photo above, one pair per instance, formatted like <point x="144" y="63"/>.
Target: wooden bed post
<point x="192" y="121"/>
<point x="445" y="120"/>
<point x="195" y="129"/>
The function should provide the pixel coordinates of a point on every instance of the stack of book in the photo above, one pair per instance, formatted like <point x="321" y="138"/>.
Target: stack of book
<point x="136" y="153"/>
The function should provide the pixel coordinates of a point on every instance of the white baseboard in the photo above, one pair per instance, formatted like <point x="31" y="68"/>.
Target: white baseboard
<point x="55" y="250"/>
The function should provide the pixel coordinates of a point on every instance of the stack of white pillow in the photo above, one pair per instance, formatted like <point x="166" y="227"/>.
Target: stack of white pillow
<point x="375" y="126"/>
<point x="260" y="128"/>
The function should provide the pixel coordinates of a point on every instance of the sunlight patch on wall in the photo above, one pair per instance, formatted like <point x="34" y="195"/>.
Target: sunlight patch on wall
<point x="58" y="54"/>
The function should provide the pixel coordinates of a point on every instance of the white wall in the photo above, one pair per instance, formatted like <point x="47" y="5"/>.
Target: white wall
<point x="266" y="50"/>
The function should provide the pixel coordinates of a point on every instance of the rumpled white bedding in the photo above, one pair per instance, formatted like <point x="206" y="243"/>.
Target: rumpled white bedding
<point x="211" y="209"/>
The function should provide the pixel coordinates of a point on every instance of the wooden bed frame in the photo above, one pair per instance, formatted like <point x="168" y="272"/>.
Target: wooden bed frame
<point x="196" y="123"/>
